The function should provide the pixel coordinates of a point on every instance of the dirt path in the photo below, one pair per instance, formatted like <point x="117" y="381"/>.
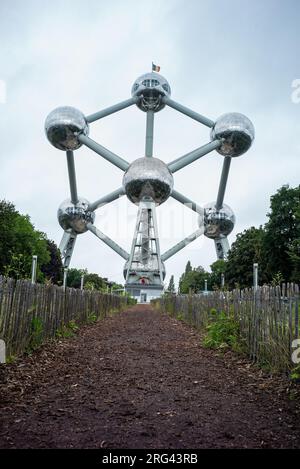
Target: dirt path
<point x="141" y="380"/>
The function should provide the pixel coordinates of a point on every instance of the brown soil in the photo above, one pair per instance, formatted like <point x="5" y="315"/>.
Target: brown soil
<point x="141" y="380"/>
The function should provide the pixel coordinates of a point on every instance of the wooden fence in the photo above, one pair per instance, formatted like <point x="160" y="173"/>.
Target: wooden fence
<point x="33" y="313"/>
<point x="268" y="318"/>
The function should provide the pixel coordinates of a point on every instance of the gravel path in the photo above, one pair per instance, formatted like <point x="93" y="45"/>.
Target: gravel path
<point x="141" y="380"/>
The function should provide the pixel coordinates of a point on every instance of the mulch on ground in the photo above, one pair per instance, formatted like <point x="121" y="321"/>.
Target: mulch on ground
<point x="141" y="379"/>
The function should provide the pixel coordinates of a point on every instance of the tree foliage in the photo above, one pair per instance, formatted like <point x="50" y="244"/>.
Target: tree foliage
<point x="19" y="242"/>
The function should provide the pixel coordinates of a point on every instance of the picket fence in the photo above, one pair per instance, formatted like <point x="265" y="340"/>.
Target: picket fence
<point x="31" y="313"/>
<point x="268" y="318"/>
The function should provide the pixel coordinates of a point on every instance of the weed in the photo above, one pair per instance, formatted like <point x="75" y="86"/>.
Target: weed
<point x="36" y="336"/>
<point x="223" y="333"/>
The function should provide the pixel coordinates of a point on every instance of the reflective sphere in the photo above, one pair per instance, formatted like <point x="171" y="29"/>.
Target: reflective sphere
<point x="148" y="178"/>
<point x="75" y="217"/>
<point x="143" y="270"/>
<point x="217" y="223"/>
<point x="236" y="130"/>
<point x="62" y="125"/>
<point x="151" y="88"/>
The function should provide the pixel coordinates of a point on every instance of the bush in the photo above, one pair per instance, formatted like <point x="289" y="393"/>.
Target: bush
<point x="223" y="333"/>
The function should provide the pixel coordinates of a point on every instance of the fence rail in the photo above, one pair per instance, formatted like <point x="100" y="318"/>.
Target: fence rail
<point x="26" y="308"/>
<point x="268" y="318"/>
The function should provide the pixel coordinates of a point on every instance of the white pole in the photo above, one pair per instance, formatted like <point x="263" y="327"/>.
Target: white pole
<point x="222" y="280"/>
<point x="33" y="269"/>
<point x="81" y="282"/>
<point x="205" y="285"/>
<point x="255" y="276"/>
<point x="65" y="278"/>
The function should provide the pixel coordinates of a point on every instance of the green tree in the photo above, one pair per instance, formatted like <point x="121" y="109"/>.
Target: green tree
<point x="282" y="234"/>
<point x="53" y="270"/>
<point x="171" y="287"/>
<point x="188" y="267"/>
<point x="217" y="269"/>
<point x="193" y="281"/>
<point x="74" y="277"/>
<point x="19" y="242"/>
<point x="246" y="250"/>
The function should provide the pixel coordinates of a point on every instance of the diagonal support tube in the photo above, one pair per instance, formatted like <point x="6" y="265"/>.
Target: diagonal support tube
<point x="182" y="244"/>
<point x="187" y="202"/>
<point x="108" y="241"/>
<point x="111" y="110"/>
<point x="104" y="152"/>
<point x="72" y="177"/>
<point x="194" y="155"/>
<point x="106" y="199"/>
<point x="188" y="112"/>
<point x="149" y="134"/>
<point x="223" y="182"/>
<point x="66" y="247"/>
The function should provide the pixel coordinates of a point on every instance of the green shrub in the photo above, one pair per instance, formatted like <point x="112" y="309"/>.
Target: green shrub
<point x="222" y="333"/>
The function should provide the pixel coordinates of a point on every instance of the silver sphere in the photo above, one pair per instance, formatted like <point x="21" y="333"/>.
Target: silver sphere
<point x="143" y="270"/>
<point x="75" y="217"/>
<point x="236" y="130"/>
<point x="151" y="88"/>
<point x="217" y="223"/>
<point x="148" y="178"/>
<point x="62" y="125"/>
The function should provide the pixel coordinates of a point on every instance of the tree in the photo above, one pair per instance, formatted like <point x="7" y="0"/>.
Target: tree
<point x="193" y="281"/>
<point x="53" y="270"/>
<point x="282" y="234"/>
<point x="188" y="267"/>
<point x="217" y="269"/>
<point x="19" y="242"/>
<point x="74" y="277"/>
<point x="246" y="250"/>
<point x="171" y="287"/>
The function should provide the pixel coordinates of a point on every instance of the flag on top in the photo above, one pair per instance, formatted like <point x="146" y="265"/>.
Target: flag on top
<point x="155" y="68"/>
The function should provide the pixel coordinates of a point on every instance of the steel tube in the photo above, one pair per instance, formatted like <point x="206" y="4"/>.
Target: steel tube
<point x="104" y="152"/>
<point x="194" y="155"/>
<point x="182" y="244"/>
<point x="187" y="202"/>
<point x="149" y="134"/>
<point x="111" y="110"/>
<point x="223" y="182"/>
<point x="108" y="241"/>
<point x="106" y="199"/>
<point x="188" y="112"/>
<point x="72" y="177"/>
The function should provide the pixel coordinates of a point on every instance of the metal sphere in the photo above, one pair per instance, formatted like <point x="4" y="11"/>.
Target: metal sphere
<point x="148" y="178"/>
<point x="151" y="88"/>
<point x="75" y="217"/>
<point x="236" y="130"/>
<point x="62" y="126"/>
<point x="217" y="223"/>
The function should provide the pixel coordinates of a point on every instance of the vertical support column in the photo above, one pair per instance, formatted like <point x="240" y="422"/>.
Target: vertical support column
<point x="65" y="278"/>
<point x="223" y="182"/>
<point x="33" y="269"/>
<point x="255" y="276"/>
<point x="72" y="177"/>
<point x="81" y="282"/>
<point x="205" y="285"/>
<point x="149" y="134"/>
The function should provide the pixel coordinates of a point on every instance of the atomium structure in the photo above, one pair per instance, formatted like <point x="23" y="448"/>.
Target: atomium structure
<point x="147" y="182"/>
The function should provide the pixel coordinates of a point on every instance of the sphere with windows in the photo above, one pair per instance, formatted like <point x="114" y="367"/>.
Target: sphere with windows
<point x="151" y="88"/>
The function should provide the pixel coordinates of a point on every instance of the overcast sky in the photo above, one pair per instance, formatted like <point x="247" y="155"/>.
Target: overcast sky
<point x="218" y="56"/>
